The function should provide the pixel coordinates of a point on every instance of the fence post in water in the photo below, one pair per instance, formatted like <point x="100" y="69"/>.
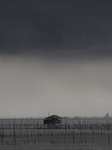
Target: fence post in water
<point x="38" y="132"/>
<point x="80" y="131"/>
<point x="34" y="132"/>
<point x="2" y="135"/>
<point x="52" y="133"/>
<point x="27" y="132"/>
<point x="85" y="130"/>
<point x="9" y="128"/>
<point x="34" y="128"/>
<point x="73" y="136"/>
<point x="92" y="128"/>
<point x="21" y="128"/>
<point x="14" y="134"/>
<point x="65" y="133"/>
<point x="108" y="127"/>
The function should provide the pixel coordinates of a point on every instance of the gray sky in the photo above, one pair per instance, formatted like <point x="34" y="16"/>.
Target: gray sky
<point x="55" y="56"/>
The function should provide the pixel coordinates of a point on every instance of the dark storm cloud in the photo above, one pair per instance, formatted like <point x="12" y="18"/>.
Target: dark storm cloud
<point x="38" y="39"/>
<point x="62" y="27"/>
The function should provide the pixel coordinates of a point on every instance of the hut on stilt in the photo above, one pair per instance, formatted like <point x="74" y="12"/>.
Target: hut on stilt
<point x="53" y="120"/>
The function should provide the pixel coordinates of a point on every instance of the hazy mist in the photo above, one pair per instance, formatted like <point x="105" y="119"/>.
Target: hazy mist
<point x="33" y="87"/>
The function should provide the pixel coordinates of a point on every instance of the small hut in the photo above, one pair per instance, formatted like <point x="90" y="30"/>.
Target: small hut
<point x="52" y="120"/>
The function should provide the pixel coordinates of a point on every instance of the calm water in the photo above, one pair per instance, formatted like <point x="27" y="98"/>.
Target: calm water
<point x="61" y="142"/>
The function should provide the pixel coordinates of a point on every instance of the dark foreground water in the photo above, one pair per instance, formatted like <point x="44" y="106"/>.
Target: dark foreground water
<point x="61" y="142"/>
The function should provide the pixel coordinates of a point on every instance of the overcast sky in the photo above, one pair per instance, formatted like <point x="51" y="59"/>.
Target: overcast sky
<point x="55" y="56"/>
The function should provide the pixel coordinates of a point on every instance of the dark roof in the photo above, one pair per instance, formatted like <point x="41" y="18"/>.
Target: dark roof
<point x="54" y="116"/>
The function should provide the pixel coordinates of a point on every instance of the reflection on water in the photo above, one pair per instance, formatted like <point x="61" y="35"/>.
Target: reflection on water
<point x="59" y="142"/>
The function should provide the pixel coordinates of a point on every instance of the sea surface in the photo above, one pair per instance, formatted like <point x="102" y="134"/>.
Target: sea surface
<point x="57" y="142"/>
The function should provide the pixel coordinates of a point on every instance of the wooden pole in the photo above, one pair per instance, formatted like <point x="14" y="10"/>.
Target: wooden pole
<point x="65" y="133"/>
<point x="108" y="127"/>
<point x="2" y="135"/>
<point x="14" y="134"/>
